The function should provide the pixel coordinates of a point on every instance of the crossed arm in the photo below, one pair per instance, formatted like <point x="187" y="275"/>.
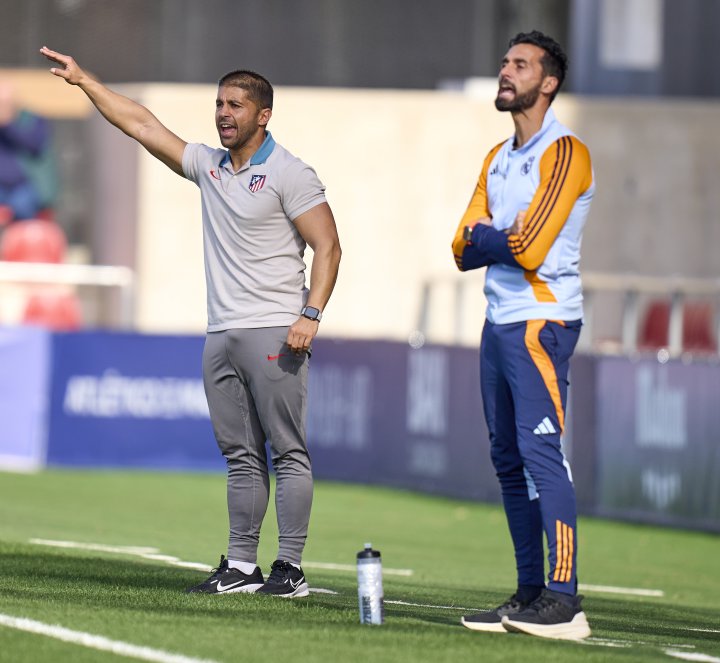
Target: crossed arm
<point x="565" y="174"/>
<point x="130" y="117"/>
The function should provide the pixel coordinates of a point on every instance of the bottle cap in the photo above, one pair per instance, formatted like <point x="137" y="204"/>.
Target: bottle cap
<point x="368" y="552"/>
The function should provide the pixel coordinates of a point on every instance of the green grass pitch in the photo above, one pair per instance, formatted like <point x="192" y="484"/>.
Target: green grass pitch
<point x="458" y="553"/>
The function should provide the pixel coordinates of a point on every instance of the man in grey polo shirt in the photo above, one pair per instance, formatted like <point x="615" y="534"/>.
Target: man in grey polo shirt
<point x="261" y="207"/>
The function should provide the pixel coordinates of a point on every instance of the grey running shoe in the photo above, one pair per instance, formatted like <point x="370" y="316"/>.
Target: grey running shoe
<point x="286" y="581"/>
<point x="224" y="580"/>
<point x="491" y="620"/>
<point x="551" y="615"/>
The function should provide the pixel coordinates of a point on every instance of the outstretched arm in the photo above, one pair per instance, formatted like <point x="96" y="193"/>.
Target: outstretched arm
<point x="128" y="116"/>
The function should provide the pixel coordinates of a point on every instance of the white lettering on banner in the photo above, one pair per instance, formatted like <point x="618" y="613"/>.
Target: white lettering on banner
<point x="339" y="411"/>
<point x="427" y="392"/>
<point x="661" y="488"/>
<point x="661" y="412"/>
<point x="428" y="458"/>
<point x="114" y="395"/>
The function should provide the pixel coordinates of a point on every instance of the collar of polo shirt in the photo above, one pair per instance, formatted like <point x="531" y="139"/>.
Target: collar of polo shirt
<point x="260" y="157"/>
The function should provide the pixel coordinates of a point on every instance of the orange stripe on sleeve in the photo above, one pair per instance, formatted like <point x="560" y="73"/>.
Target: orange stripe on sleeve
<point x="557" y="167"/>
<point x="565" y="174"/>
<point x="477" y="208"/>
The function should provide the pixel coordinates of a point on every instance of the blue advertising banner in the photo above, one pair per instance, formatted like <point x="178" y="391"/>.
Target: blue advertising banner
<point x="379" y="412"/>
<point x="658" y="455"/>
<point x="641" y="434"/>
<point x="24" y="384"/>
<point x="383" y="412"/>
<point x="129" y="400"/>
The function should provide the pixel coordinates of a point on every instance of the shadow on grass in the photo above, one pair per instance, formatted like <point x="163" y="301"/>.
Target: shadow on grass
<point x="647" y="619"/>
<point x="635" y="620"/>
<point x="57" y="577"/>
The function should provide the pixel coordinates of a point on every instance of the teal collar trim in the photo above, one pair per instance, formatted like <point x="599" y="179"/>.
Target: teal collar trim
<point x="266" y="149"/>
<point x="260" y="157"/>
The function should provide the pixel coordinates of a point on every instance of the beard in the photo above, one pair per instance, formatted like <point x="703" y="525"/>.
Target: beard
<point x="243" y="135"/>
<point x="520" y="103"/>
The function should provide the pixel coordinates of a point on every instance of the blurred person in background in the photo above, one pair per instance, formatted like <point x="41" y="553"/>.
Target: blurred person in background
<point x="25" y="172"/>
<point x="261" y="206"/>
<point x="524" y="223"/>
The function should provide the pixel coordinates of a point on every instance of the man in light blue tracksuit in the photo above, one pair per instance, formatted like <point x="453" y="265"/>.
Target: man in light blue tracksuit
<point x="524" y="223"/>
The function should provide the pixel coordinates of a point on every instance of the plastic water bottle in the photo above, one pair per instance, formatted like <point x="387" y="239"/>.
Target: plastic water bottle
<point x="370" y="589"/>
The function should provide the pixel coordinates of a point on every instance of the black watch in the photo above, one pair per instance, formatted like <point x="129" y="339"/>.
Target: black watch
<point x="311" y="313"/>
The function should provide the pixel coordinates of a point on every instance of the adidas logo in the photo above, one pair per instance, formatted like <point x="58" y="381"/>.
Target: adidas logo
<point x="545" y="427"/>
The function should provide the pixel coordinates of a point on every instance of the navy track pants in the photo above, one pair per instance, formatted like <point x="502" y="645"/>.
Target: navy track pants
<point x="523" y="378"/>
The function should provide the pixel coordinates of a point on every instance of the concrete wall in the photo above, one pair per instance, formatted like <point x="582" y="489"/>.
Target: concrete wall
<point x="400" y="167"/>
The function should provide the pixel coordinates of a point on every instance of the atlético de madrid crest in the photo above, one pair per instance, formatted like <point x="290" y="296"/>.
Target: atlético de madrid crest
<point x="256" y="183"/>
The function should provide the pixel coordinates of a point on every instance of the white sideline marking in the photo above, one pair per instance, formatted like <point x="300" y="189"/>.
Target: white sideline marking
<point x="139" y="551"/>
<point x="608" y="589"/>
<point x="145" y="553"/>
<point x="97" y="641"/>
<point x="352" y="568"/>
<point x="426" y="605"/>
<point x="154" y="554"/>
<point x="101" y="547"/>
<point x="614" y="642"/>
<point x="602" y="642"/>
<point x="705" y="658"/>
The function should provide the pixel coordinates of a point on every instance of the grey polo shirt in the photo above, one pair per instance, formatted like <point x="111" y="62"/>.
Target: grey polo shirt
<point x="254" y="264"/>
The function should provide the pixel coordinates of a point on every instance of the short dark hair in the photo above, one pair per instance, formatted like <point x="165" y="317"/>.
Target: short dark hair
<point x="554" y="62"/>
<point x="259" y="90"/>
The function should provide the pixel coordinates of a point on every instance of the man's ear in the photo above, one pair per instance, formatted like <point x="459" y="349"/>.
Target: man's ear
<point x="264" y="117"/>
<point x="549" y="85"/>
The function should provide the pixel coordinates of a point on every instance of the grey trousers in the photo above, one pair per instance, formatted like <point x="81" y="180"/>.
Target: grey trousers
<point x="257" y="391"/>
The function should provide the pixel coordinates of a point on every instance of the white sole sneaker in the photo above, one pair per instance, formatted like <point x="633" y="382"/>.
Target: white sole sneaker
<point x="577" y="629"/>
<point x="301" y="591"/>
<point x="486" y="627"/>
<point x="245" y="589"/>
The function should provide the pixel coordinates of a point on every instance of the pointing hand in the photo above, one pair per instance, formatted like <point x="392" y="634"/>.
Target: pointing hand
<point x="69" y="70"/>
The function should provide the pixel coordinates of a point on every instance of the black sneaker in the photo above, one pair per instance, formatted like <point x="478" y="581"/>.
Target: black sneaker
<point x="491" y="620"/>
<point x="224" y="580"/>
<point x="285" y="580"/>
<point x="551" y="615"/>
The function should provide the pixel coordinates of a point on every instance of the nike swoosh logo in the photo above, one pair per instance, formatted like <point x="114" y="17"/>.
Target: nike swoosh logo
<point x="212" y="173"/>
<point x="274" y="357"/>
<point x="224" y="588"/>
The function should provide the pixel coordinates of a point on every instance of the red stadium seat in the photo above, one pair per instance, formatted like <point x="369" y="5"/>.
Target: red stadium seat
<point x="654" y="329"/>
<point x="6" y="215"/>
<point x="58" y="310"/>
<point x="698" y="327"/>
<point x="35" y="240"/>
<point x="46" y="214"/>
<point x="698" y="334"/>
